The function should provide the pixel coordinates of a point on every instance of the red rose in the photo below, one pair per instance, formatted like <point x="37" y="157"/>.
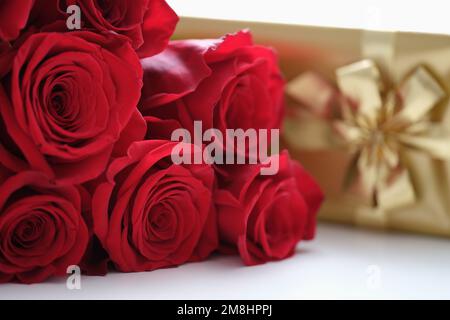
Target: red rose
<point x="264" y="217"/>
<point x="72" y="97"/>
<point x="147" y="23"/>
<point x="13" y="17"/>
<point x="41" y="229"/>
<point x="151" y="213"/>
<point x="227" y="83"/>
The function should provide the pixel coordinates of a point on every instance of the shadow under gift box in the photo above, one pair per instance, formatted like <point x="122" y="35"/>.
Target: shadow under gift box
<point x="324" y="50"/>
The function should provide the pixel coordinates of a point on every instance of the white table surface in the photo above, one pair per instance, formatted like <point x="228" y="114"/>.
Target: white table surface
<point x="343" y="262"/>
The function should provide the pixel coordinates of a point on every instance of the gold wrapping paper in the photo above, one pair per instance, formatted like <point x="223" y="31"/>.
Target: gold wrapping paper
<point x="400" y="83"/>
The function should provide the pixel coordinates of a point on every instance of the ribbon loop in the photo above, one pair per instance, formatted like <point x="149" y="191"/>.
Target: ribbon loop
<point x="377" y="125"/>
<point x="419" y="94"/>
<point x="361" y="83"/>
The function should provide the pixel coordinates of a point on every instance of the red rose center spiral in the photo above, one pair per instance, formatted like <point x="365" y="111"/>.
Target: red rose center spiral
<point x="28" y="231"/>
<point x="162" y="222"/>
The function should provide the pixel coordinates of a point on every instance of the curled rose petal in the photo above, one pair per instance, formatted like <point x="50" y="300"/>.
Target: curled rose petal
<point x="13" y="18"/>
<point x="227" y="83"/>
<point x="148" y="24"/>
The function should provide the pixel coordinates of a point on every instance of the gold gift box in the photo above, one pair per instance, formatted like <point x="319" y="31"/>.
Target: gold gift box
<point x="403" y="60"/>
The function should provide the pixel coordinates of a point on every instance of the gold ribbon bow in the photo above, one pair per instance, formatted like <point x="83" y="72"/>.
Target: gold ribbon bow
<point x="376" y="123"/>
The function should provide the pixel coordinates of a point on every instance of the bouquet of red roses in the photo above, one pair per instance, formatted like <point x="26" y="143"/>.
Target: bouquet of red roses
<point x="92" y="94"/>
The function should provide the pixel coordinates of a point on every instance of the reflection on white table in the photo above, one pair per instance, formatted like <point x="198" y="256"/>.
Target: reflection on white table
<point x="343" y="262"/>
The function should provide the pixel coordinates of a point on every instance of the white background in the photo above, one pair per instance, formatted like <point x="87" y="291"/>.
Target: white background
<point x="391" y="15"/>
<point x="343" y="262"/>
